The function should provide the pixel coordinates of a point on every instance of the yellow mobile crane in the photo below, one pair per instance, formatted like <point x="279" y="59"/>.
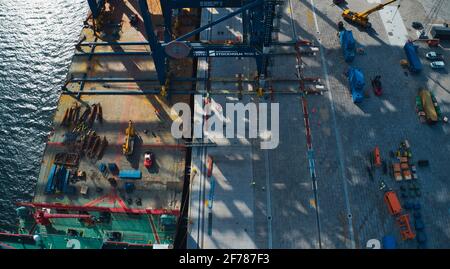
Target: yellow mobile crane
<point x="362" y="18"/>
<point x="128" y="145"/>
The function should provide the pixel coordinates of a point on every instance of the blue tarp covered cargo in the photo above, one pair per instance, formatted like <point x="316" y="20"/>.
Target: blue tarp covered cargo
<point x="348" y="45"/>
<point x="413" y="59"/>
<point x="389" y="242"/>
<point x="356" y="81"/>
<point x="129" y="187"/>
<point x="60" y="178"/>
<point x="130" y="174"/>
<point x="50" y="188"/>
<point x="65" y="183"/>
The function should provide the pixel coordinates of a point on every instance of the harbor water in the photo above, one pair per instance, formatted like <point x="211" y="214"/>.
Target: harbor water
<point x="37" y="39"/>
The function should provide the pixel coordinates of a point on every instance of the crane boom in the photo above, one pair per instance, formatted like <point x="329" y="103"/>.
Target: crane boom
<point x="376" y="8"/>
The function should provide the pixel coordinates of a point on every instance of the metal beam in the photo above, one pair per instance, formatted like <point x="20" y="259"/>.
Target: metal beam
<point x="96" y="7"/>
<point x="187" y="92"/>
<point x="85" y="44"/>
<point x="123" y="92"/>
<point x="128" y="80"/>
<point x="121" y="53"/>
<point x="174" y="4"/>
<point x="112" y="80"/>
<point x="211" y="50"/>
<point x="158" y="54"/>
<point x="102" y="209"/>
<point x="167" y="12"/>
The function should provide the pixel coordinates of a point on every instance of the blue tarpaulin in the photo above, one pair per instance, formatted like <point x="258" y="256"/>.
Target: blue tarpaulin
<point x="129" y="187"/>
<point x="50" y="188"/>
<point x="113" y="169"/>
<point x="348" y="45"/>
<point x="389" y="242"/>
<point x="356" y="81"/>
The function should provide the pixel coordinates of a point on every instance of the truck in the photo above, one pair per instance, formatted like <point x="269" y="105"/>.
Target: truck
<point x="356" y="81"/>
<point x="348" y="45"/>
<point x="428" y="106"/>
<point x="413" y="59"/>
<point x="441" y="32"/>
<point x="338" y="2"/>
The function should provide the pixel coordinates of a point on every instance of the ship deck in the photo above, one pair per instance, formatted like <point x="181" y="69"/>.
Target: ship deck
<point x="161" y="186"/>
<point x="135" y="230"/>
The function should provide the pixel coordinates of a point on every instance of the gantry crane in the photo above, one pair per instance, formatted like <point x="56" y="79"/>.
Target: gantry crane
<point x="257" y="18"/>
<point x="362" y="18"/>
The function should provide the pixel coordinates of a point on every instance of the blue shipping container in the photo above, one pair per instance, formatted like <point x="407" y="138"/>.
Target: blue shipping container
<point x="130" y="174"/>
<point x="413" y="59"/>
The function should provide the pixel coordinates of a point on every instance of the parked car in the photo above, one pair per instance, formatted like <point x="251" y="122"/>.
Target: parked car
<point x="148" y="159"/>
<point x="417" y="25"/>
<point x="338" y="2"/>
<point x="437" y="65"/>
<point x="432" y="55"/>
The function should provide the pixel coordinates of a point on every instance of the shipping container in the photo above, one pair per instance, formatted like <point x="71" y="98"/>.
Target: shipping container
<point x="413" y="59"/>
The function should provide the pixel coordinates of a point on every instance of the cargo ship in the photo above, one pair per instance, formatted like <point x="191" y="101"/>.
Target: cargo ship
<point x="112" y="175"/>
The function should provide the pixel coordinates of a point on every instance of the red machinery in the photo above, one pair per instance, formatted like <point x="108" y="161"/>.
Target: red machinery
<point x="430" y="42"/>
<point x="148" y="159"/>
<point x="210" y="166"/>
<point x="376" y="86"/>
<point x="376" y="157"/>
<point x="392" y="202"/>
<point x="43" y="218"/>
<point x="405" y="228"/>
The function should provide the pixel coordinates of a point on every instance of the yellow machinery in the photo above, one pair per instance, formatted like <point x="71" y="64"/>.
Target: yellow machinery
<point x="428" y="105"/>
<point x="362" y="18"/>
<point x="128" y="145"/>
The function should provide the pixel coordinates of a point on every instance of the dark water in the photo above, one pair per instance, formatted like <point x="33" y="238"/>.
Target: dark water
<point x="37" y="40"/>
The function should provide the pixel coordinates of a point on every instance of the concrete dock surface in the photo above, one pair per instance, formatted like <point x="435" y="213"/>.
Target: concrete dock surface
<point x="268" y="199"/>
